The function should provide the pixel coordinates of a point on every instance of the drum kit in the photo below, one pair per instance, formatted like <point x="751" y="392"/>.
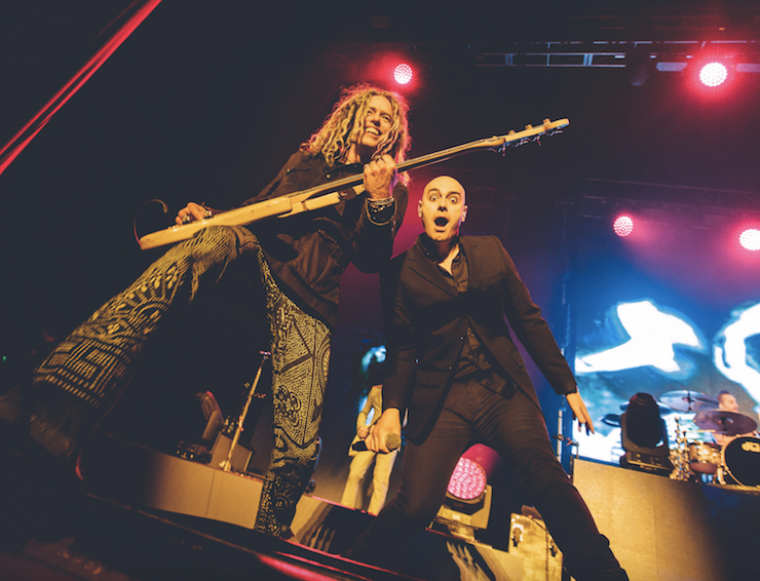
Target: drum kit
<point x="736" y="463"/>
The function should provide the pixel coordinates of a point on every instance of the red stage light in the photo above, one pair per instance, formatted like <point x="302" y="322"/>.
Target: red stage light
<point x="468" y="480"/>
<point x="750" y="239"/>
<point x="623" y="226"/>
<point x="713" y="74"/>
<point x="403" y="74"/>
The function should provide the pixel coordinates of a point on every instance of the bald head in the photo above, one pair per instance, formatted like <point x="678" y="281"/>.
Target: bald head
<point x="728" y="402"/>
<point x="442" y="208"/>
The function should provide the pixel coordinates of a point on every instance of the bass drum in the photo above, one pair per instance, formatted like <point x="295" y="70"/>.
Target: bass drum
<point x="741" y="459"/>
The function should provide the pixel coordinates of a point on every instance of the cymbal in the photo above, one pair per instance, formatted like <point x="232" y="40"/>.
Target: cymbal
<point x="688" y="401"/>
<point x="724" y="422"/>
<point x="611" y="420"/>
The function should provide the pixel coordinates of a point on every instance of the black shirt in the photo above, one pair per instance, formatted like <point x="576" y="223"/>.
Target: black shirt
<point x="472" y="360"/>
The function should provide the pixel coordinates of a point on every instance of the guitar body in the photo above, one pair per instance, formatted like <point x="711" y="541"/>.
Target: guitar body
<point x="329" y="194"/>
<point x="237" y="217"/>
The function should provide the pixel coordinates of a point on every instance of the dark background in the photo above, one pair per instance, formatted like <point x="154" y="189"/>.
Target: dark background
<point x="206" y="100"/>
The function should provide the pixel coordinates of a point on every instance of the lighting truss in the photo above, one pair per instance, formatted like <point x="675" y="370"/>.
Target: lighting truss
<point x="661" y="203"/>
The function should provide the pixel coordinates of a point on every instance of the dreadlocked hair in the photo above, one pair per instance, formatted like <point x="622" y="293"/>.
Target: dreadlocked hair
<point x="344" y="124"/>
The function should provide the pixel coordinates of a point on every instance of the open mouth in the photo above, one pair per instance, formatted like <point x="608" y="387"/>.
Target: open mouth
<point x="441" y="221"/>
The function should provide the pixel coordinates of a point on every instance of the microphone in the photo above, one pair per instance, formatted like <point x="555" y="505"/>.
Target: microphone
<point x="392" y="442"/>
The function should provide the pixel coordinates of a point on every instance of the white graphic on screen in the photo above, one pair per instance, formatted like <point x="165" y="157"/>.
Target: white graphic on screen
<point x="731" y="355"/>
<point x="653" y="334"/>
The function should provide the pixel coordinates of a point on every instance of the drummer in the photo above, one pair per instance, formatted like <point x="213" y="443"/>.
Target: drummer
<point x="727" y="402"/>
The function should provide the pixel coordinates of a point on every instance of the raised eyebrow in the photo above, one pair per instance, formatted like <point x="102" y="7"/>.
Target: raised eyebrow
<point x="451" y="193"/>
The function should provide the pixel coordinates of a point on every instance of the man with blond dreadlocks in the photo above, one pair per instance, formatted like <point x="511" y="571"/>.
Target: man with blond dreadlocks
<point x="298" y="261"/>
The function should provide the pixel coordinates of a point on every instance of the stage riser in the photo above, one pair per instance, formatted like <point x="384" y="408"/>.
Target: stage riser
<point x="663" y="529"/>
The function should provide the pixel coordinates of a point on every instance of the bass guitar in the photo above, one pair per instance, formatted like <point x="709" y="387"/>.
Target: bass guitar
<point x="331" y="193"/>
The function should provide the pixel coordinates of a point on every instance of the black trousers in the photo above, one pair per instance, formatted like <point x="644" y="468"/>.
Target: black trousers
<point x="514" y="426"/>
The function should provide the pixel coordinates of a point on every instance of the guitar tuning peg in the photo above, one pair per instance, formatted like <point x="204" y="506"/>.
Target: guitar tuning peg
<point x="547" y="121"/>
<point x="528" y="127"/>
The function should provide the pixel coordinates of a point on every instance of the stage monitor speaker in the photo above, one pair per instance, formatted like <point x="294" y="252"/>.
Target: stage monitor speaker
<point x="241" y="454"/>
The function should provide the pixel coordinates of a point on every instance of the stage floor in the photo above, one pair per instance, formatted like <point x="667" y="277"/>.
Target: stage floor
<point x="149" y="516"/>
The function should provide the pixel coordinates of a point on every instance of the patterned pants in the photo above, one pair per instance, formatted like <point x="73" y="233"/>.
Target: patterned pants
<point x="94" y="364"/>
<point x="300" y="360"/>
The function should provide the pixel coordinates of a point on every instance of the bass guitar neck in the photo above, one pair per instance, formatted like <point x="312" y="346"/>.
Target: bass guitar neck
<point x="331" y="193"/>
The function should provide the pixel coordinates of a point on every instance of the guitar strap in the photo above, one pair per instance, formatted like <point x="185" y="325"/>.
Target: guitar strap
<point x="351" y="168"/>
<point x="332" y="173"/>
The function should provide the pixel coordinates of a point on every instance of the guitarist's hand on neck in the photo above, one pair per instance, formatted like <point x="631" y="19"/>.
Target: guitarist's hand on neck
<point x="380" y="177"/>
<point x="192" y="212"/>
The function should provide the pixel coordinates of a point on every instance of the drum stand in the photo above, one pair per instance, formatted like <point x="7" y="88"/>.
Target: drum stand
<point x="227" y="464"/>
<point x="679" y="456"/>
<point x="720" y="477"/>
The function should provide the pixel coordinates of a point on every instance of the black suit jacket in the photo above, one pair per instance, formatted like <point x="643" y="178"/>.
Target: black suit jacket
<point x="426" y="320"/>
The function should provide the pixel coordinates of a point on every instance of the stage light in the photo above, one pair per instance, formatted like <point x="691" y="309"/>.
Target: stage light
<point x="467" y="506"/>
<point x="468" y="481"/>
<point x="713" y="74"/>
<point x="750" y="239"/>
<point x="644" y="436"/>
<point x="623" y="226"/>
<point x="644" y="424"/>
<point x="403" y="74"/>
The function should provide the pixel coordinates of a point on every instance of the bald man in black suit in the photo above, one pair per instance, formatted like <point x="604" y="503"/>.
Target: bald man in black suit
<point x="453" y="365"/>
